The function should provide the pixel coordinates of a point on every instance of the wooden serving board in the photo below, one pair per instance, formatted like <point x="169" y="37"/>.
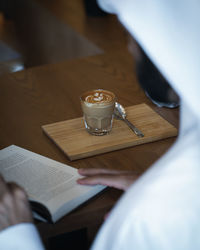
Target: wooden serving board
<point x="73" y="139"/>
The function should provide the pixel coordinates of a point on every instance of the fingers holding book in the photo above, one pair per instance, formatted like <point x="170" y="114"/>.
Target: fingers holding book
<point x="113" y="178"/>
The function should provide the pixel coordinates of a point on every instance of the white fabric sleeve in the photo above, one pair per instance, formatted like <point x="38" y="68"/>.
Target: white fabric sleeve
<point x="22" y="236"/>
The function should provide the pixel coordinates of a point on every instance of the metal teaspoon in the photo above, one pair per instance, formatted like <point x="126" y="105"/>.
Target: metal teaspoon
<point x="120" y="113"/>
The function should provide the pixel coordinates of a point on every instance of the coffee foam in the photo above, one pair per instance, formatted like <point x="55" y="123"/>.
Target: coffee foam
<point x="98" y="97"/>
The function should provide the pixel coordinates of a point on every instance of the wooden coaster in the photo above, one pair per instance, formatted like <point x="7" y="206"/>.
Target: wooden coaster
<point x="73" y="139"/>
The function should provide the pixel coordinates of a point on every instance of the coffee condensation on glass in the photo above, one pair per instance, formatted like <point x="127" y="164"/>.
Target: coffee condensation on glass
<point x="98" y="107"/>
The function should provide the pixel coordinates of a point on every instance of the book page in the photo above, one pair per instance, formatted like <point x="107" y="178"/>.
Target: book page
<point x="41" y="177"/>
<point x="46" y="181"/>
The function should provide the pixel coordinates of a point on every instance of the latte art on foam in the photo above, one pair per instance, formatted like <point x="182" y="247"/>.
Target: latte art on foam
<point x="99" y="97"/>
<point x="98" y="106"/>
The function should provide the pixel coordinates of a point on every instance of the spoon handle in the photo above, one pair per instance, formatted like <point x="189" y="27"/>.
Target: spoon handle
<point x="135" y="130"/>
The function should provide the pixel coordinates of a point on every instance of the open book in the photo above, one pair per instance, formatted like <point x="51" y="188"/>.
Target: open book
<point x="51" y="186"/>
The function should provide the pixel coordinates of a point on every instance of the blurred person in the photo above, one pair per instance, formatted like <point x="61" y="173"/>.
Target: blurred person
<point x="16" y="223"/>
<point x="160" y="210"/>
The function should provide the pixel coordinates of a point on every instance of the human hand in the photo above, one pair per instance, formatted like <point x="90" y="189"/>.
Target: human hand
<point x="113" y="178"/>
<point x="14" y="205"/>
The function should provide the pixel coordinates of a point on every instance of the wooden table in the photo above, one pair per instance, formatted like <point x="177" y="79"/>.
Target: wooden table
<point x="50" y="93"/>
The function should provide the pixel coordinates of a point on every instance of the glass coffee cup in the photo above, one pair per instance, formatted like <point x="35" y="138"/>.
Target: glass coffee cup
<point x="98" y="107"/>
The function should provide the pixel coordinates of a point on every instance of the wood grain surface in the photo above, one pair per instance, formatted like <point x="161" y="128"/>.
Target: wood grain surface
<point x="50" y="93"/>
<point x="72" y="138"/>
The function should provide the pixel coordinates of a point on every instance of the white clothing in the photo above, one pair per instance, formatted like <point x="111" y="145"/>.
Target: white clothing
<point x="168" y="31"/>
<point x="161" y="210"/>
<point x="22" y="236"/>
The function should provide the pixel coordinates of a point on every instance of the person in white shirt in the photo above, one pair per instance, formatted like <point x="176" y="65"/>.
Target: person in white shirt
<point x="160" y="210"/>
